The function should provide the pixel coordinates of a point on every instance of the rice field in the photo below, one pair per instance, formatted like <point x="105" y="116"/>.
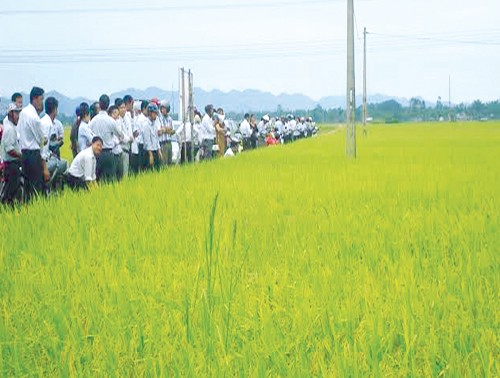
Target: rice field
<point x="285" y="261"/>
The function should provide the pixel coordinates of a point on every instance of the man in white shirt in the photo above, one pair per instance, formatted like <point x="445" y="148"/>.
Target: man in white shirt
<point x="126" y="127"/>
<point x="102" y="125"/>
<point x="141" y="120"/>
<point x="10" y="154"/>
<point x="167" y="133"/>
<point x="31" y="141"/>
<point x="185" y="134"/>
<point x="82" y="172"/>
<point x="85" y="135"/>
<point x="151" y="140"/>
<point x="207" y="131"/>
<point x="246" y="131"/>
<point x="48" y="126"/>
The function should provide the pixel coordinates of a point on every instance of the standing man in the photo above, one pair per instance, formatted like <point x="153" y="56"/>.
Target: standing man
<point x="10" y="155"/>
<point x="126" y="127"/>
<point x="151" y="141"/>
<point x="85" y="135"/>
<point x="166" y="134"/>
<point x="31" y="141"/>
<point x="105" y="127"/>
<point x="48" y="126"/>
<point x="82" y="172"/>
<point x="246" y="131"/>
<point x="208" y="132"/>
<point x="74" y="134"/>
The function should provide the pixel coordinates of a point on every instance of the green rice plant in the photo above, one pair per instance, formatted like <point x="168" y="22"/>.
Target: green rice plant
<point x="290" y="260"/>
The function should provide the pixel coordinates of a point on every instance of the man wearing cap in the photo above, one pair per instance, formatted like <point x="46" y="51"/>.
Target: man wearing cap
<point x="31" y="141"/>
<point x="10" y="154"/>
<point x="151" y="141"/>
<point x="82" y="172"/>
<point x="102" y="125"/>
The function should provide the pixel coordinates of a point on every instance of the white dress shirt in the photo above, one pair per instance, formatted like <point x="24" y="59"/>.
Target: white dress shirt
<point x="9" y="141"/>
<point x="207" y="128"/>
<point x="245" y="129"/>
<point x="150" y="134"/>
<point x="48" y="129"/>
<point x="83" y="166"/>
<point x="30" y="129"/>
<point x="128" y="134"/>
<point x="59" y="129"/>
<point x="185" y="132"/>
<point x="85" y="136"/>
<point x="107" y="128"/>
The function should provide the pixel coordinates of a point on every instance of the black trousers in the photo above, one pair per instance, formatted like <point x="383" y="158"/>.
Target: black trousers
<point x="134" y="163"/>
<point x="106" y="166"/>
<point x="12" y="180"/>
<point x="33" y="171"/>
<point x="118" y="166"/>
<point x="76" y="183"/>
<point x="156" y="157"/>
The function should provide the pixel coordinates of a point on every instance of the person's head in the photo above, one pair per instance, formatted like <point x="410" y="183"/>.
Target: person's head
<point x="152" y="110"/>
<point x="120" y="104"/>
<point x="220" y="111"/>
<point x="209" y="109"/>
<point x="97" y="145"/>
<point x="144" y="107"/>
<point x="13" y="113"/>
<point x="253" y="120"/>
<point x="36" y="98"/>
<point x="85" y="111"/>
<point x="94" y="109"/>
<point x="164" y="108"/>
<point x="17" y="98"/>
<point x="129" y="102"/>
<point x="51" y="107"/>
<point x="247" y="116"/>
<point x="197" y="119"/>
<point x="113" y="112"/>
<point x="104" y="102"/>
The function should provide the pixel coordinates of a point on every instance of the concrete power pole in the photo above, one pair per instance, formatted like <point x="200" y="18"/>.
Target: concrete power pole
<point x="351" y="92"/>
<point x="364" y="83"/>
<point x="191" y="111"/>
<point x="184" y="115"/>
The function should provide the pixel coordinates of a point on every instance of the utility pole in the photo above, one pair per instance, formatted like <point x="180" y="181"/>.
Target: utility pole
<point x="351" y="92"/>
<point x="191" y="111"/>
<point x="364" y="83"/>
<point x="184" y="117"/>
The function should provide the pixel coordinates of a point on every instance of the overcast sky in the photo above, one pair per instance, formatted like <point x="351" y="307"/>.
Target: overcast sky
<point x="414" y="47"/>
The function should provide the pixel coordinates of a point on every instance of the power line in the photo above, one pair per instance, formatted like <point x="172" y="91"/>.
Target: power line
<point x="475" y="41"/>
<point x="165" y="8"/>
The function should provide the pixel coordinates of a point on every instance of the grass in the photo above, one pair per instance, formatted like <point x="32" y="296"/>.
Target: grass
<point x="283" y="261"/>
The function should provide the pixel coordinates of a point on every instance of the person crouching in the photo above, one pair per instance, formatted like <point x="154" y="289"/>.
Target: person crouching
<point x="81" y="173"/>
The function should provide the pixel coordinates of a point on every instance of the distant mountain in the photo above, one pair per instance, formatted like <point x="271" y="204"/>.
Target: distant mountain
<point x="249" y="100"/>
<point x="340" y="101"/>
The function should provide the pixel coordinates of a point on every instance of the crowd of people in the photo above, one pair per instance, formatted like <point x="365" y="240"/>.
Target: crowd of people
<point x="110" y="141"/>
